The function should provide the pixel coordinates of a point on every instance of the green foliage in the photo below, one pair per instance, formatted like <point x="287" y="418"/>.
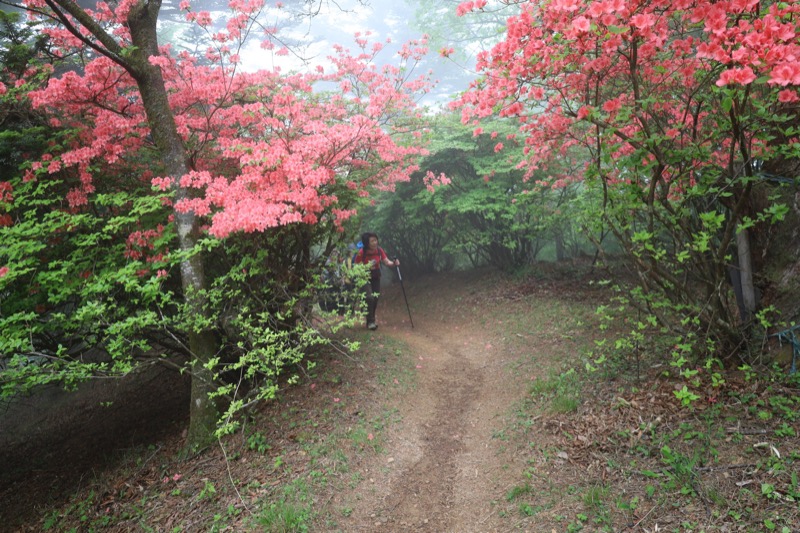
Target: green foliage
<point x="685" y="396"/>
<point x="444" y="27"/>
<point x="82" y="511"/>
<point x="517" y="491"/>
<point x="291" y="512"/>
<point x="72" y="286"/>
<point x="412" y="226"/>
<point x="262" y="304"/>
<point x="258" y="442"/>
<point x="73" y="300"/>
<point x="486" y="214"/>
<point x="24" y="133"/>
<point x="282" y="517"/>
<point x="20" y="44"/>
<point x="680" y="471"/>
<point x="562" y="391"/>
<point x="208" y="492"/>
<point x="95" y="291"/>
<point x="683" y="235"/>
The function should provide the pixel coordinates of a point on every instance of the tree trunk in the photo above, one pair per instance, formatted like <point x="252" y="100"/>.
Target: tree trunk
<point x="560" y="252"/>
<point x="746" y="275"/>
<point x="203" y="345"/>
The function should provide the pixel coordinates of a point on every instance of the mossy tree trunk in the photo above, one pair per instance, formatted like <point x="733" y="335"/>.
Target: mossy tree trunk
<point x="142" y="22"/>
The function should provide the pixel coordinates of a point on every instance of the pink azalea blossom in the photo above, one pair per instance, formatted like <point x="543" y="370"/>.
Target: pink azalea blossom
<point x="583" y="112"/>
<point x="643" y="20"/>
<point x="612" y="106"/>
<point x="788" y="96"/>
<point x="581" y="24"/>
<point x="742" y="76"/>
<point x="786" y="74"/>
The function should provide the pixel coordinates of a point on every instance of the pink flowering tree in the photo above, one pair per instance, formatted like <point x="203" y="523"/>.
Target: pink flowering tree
<point x="673" y="115"/>
<point x="231" y="156"/>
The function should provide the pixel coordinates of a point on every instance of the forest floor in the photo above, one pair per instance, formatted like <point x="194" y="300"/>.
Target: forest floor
<point x="469" y="421"/>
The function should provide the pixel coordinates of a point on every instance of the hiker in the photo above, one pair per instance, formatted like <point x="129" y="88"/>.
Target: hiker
<point x="332" y="297"/>
<point x="373" y="255"/>
<point x="352" y="251"/>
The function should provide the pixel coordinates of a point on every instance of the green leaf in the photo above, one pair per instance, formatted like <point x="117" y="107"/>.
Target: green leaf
<point x="727" y="104"/>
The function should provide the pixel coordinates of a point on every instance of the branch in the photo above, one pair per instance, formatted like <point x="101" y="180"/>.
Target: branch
<point x="112" y="49"/>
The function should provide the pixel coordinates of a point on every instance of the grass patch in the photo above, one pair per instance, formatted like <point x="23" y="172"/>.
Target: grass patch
<point x="283" y="517"/>
<point x="518" y="491"/>
<point x="561" y="391"/>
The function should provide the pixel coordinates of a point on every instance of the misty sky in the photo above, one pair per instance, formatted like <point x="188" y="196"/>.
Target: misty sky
<point x="383" y="18"/>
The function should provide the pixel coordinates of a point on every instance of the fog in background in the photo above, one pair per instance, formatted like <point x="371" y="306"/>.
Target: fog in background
<point x="310" y="28"/>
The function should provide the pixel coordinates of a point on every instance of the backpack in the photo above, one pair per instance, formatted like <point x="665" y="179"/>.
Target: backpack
<point x="360" y="247"/>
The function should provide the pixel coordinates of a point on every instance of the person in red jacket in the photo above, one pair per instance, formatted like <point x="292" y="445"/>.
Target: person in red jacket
<point x="373" y="255"/>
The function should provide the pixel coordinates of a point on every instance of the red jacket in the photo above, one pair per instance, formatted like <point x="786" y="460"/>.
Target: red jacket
<point x="373" y="259"/>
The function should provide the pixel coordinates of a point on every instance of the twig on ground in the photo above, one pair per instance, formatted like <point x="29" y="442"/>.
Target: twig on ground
<point x="230" y="476"/>
<point x="747" y="431"/>
<point x="488" y="516"/>
<point x="724" y="467"/>
<point x="653" y="508"/>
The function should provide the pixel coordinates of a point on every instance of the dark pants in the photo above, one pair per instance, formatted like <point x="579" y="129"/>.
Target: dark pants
<point x="372" y="289"/>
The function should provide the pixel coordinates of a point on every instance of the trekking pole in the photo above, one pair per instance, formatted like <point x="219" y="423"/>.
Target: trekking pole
<point x="400" y="277"/>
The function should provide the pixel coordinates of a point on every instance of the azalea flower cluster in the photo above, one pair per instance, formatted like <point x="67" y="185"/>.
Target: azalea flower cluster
<point x="139" y="245"/>
<point x="636" y="70"/>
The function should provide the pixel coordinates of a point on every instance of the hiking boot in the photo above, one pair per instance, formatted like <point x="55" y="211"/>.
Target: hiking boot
<point x="372" y="325"/>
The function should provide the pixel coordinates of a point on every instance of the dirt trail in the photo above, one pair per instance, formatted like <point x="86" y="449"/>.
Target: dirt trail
<point x="444" y="467"/>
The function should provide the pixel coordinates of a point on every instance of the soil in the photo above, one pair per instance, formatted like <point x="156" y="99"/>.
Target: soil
<point x="445" y="469"/>
<point x="427" y="428"/>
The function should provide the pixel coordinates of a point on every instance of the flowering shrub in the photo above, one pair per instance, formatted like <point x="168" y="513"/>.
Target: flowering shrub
<point x="668" y="112"/>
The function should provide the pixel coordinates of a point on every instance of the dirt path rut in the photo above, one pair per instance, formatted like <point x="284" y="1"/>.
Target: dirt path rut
<point x="446" y="465"/>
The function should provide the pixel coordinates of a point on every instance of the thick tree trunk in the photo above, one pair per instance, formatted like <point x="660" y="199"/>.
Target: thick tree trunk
<point x="142" y="23"/>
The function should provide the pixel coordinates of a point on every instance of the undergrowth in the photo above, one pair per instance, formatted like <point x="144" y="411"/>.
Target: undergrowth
<point x="727" y="460"/>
